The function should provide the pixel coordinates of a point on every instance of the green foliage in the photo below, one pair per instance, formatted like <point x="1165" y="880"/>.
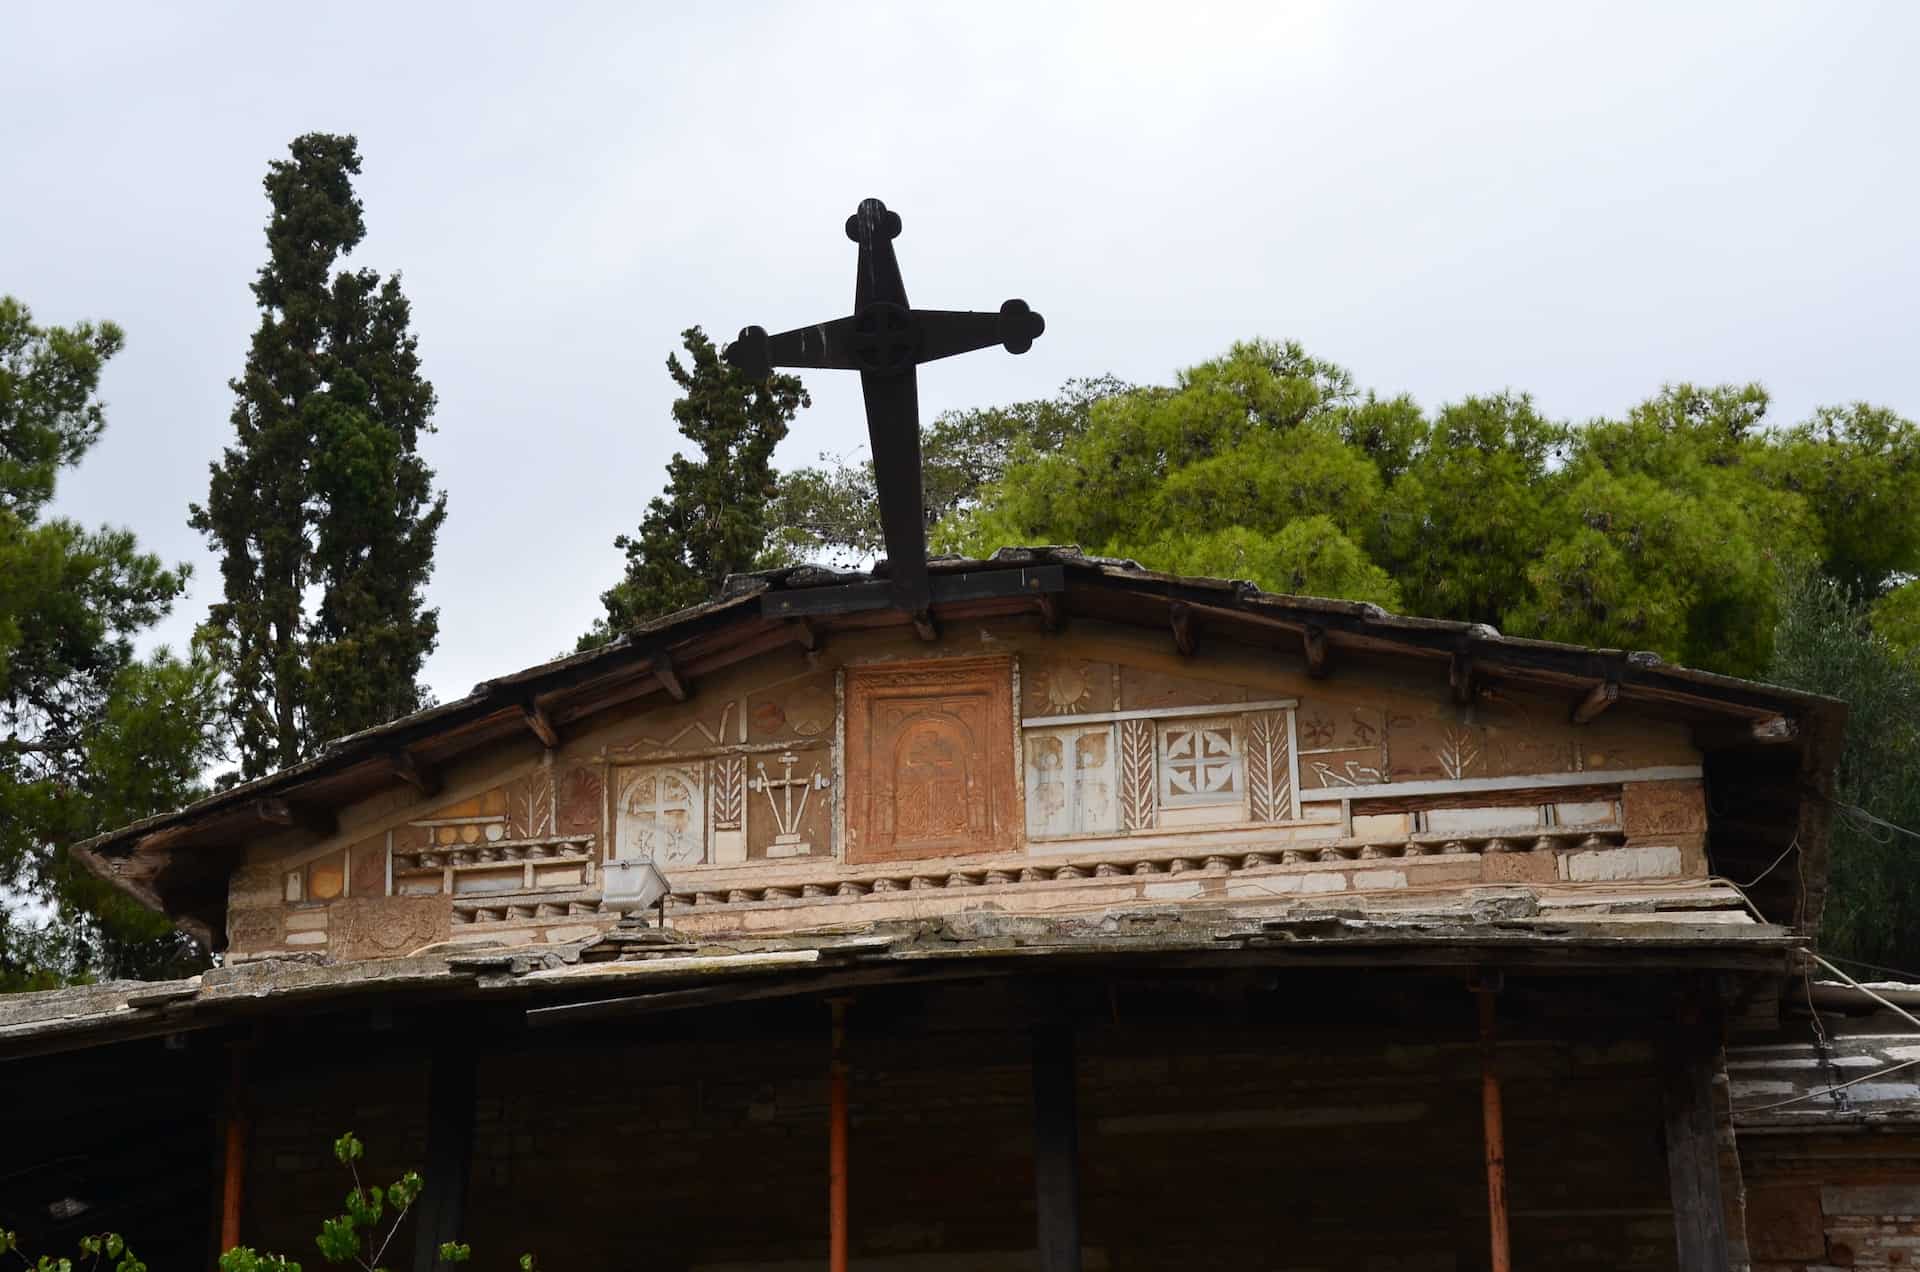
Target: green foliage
<point x="1825" y="644"/>
<point x="246" y="1259"/>
<point x="1308" y="556"/>
<point x="1469" y="510"/>
<point x="712" y="520"/>
<point x="1665" y="529"/>
<point x="1667" y="534"/>
<point x="1896" y="618"/>
<point x="361" y="1233"/>
<point x="91" y="737"/>
<point x="1858" y="468"/>
<point x="323" y="491"/>
<point x="360" y="1236"/>
<point x="1250" y="440"/>
<point x="97" y="1252"/>
<point x="831" y="513"/>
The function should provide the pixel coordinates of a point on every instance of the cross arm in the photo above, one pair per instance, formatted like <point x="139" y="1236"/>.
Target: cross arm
<point x="824" y="344"/>
<point x="946" y="332"/>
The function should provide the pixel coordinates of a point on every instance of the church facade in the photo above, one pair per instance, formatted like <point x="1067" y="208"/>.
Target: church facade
<point x="1090" y="918"/>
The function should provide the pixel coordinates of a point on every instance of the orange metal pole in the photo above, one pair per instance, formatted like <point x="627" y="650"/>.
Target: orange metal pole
<point x="234" y="1161"/>
<point x="1496" y="1138"/>
<point x="837" y="1142"/>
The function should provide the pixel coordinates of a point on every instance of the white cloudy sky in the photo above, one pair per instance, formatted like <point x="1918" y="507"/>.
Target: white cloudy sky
<point x="1583" y="201"/>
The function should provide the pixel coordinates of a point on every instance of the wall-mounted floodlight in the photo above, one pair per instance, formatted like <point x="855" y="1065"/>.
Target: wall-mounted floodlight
<point x="634" y="886"/>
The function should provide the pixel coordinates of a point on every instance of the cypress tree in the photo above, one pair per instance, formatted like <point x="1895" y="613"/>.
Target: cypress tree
<point x="323" y="494"/>
<point x="713" y="519"/>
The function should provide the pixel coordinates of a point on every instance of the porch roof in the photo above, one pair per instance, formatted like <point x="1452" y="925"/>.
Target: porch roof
<point x="1698" y="926"/>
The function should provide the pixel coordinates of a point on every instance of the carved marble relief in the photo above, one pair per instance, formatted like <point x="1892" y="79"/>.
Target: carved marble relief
<point x="1066" y="686"/>
<point x="388" y="927"/>
<point x="730" y="809"/>
<point x="803" y="710"/>
<point x="787" y="804"/>
<point x="660" y="814"/>
<point x="1269" y="767"/>
<point x="582" y="795"/>
<point x="1349" y="743"/>
<point x="930" y="759"/>
<point x="1072" y="780"/>
<point x="1136" y="774"/>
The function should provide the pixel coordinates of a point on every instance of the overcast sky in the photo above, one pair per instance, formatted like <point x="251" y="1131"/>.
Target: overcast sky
<point x="1579" y="201"/>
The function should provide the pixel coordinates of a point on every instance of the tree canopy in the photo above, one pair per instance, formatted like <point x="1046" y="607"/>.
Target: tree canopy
<point x="1665" y="529"/>
<point x="323" y="493"/>
<point x="1825" y="643"/>
<point x="91" y="736"/>
<point x="712" y="520"/>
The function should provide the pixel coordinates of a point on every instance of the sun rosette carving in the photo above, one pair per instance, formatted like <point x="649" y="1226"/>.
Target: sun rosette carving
<point x="1063" y="687"/>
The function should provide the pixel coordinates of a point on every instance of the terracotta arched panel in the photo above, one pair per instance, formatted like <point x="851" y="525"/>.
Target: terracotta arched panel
<point x="930" y="759"/>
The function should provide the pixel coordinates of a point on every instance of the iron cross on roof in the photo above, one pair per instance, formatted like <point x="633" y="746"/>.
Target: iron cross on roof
<point x="884" y="339"/>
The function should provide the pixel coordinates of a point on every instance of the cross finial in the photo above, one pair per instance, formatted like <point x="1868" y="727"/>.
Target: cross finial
<point x="885" y="339"/>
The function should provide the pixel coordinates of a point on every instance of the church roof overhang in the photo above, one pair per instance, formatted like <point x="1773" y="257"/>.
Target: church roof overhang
<point x="1703" y="929"/>
<point x="1769" y="751"/>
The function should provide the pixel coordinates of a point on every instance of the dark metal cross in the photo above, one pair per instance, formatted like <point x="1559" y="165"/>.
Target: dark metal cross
<point x="884" y="340"/>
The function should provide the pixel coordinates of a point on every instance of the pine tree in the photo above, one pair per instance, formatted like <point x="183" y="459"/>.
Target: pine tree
<point x="712" y="521"/>
<point x="324" y="491"/>
<point x="91" y="737"/>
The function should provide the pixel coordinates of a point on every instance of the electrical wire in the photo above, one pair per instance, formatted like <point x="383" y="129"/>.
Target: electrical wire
<point x="1837" y="1087"/>
<point x="1776" y="862"/>
<point x="1912" y="977"/>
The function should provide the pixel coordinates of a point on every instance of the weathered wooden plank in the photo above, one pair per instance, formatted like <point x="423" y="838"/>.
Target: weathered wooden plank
<point x="1056" y="1148"/>
<point x="1693" y="1160"/>
<point x="450" y="1110"/>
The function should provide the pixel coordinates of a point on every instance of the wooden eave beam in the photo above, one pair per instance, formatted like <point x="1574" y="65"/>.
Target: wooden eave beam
<point x="1650" y="680"/>
<point x="1180" y="618"/>
<point x="669" y="676"/>
<point x="807" y="635"/>
<point x="1763" y="731"/>
<point x="1461" y="676"/>
<point x="1319" y="659"/>
<point x="1595" y="700"/>
<point x="281" y="812"/>
<point x="1051" y="615"/>
<point x="541" y="724"/>
<point x="589" y="701"/>
<point x="924" y="627"/>
<point x="415" y="772"/>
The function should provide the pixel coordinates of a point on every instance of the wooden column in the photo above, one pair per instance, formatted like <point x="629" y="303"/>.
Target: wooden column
<point x="1056" y="1148"/>
<point x="1494" y="1123"/>
<point x="837" y="1141"/>
<point x="1687" y="1064"/>
<point x="450" y="1109"/>
<point x="233" y="1157"/>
